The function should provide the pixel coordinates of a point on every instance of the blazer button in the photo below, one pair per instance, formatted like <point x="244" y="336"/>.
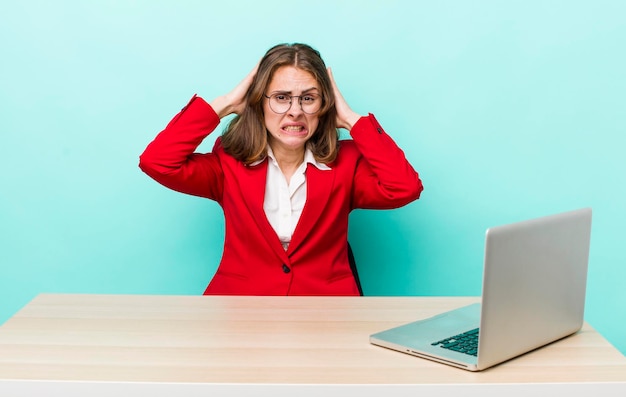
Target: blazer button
<point x="286" y="268"/>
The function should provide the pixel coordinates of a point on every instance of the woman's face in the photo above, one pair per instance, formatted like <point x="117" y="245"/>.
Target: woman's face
<point x="291" y="130"/>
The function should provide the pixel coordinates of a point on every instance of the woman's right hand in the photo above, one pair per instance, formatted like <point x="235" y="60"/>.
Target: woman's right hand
<point x="234" y="101"/>
<point x="346" y="117"/>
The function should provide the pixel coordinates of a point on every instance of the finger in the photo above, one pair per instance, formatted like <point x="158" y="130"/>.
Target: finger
<point x="338" y="96"/>
<point x="332" y="79"/>
<point x="254" y="70"/>
<point x="247" y="81"/>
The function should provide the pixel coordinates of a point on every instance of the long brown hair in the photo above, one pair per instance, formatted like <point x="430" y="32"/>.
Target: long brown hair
<point x="245" y="137"/>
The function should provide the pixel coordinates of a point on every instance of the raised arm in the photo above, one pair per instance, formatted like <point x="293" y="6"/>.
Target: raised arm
<point x="384" y="178"/>
<point x="170" y="158"/>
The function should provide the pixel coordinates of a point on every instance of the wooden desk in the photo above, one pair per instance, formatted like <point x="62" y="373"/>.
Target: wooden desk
<point x="64" y="344"/>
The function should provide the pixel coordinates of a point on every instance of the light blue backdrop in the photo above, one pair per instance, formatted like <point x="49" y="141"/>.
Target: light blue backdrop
<point x="509" y="110"/>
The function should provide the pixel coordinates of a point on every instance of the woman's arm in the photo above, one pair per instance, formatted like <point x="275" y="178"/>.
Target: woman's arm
<point x="384" y="178"/>
<point x="170" y="158"/>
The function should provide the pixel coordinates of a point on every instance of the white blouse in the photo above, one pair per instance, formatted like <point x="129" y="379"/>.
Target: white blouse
<point x="284" y="202"/>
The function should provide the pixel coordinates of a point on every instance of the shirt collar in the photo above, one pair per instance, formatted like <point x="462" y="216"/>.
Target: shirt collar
<point x="308" y="158"/>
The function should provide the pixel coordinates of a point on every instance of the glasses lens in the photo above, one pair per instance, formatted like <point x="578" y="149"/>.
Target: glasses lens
<point x="281" y="103"/>
<point x="310" y="103"/>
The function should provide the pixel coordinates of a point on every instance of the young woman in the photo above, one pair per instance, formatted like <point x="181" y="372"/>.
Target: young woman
<point x="284" y="180"/>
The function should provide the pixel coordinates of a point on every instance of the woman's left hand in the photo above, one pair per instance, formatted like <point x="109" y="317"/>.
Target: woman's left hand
<point x="346" y="117"/>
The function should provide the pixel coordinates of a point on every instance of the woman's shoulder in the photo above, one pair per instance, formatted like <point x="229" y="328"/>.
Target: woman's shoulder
<point x="347" y="147"/>
<point x="227" y="159"/>
<point x="347" y="151"/>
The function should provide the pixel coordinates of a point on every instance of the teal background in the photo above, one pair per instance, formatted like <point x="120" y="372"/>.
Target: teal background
<point x="508" y="109"/>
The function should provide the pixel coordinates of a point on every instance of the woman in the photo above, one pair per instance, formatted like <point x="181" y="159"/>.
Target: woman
<point x="284" y="180"/>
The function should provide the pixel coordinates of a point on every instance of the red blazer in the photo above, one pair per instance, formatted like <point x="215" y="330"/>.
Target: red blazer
<point x="370" y="171"/>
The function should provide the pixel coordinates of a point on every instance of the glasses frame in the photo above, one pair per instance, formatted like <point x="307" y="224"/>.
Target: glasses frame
<point x="269" y="97"/>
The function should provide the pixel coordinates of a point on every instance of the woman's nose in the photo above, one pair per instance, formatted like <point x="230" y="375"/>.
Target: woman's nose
<point x="295" y="108"/>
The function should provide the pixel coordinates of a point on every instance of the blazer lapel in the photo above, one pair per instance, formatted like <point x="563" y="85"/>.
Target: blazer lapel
<point x="252" y="185"/>
<point x="319" y="185"/>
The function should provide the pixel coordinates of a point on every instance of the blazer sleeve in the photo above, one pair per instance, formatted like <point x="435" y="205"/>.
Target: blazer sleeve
<point x="384" y="178"/>
<point x="170" y="158"/>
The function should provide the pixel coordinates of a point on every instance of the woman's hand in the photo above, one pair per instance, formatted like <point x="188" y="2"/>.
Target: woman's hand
<point x="234" y="101"/>
<point x="346" y="117"/>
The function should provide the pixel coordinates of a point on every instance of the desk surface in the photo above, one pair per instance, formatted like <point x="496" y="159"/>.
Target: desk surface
<point x="260" y="340"/>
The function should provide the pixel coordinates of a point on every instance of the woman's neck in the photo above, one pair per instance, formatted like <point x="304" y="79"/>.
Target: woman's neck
<point x="288" y="160"/>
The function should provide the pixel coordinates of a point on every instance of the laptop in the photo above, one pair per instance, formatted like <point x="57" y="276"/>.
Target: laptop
<point x="533" y="293"/>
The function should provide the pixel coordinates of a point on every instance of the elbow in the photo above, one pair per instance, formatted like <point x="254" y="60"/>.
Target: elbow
<point x="150" y="166"/>
<point x="401" y="195"/>
<point x="411" y="191"/>
<point x="418" y="188"/>
<point x="145" y="163"/>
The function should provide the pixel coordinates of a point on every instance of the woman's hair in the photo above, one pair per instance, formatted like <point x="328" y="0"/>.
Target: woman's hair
<point x="246" y="137"/>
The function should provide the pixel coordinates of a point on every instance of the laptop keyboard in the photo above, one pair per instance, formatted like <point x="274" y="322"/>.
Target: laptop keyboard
<point x="466" y="342"/>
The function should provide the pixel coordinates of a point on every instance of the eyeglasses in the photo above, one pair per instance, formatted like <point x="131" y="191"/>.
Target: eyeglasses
<point x="281" y="103"/>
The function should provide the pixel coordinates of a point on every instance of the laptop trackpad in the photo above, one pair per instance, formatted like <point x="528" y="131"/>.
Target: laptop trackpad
<point x="420" y="335"/>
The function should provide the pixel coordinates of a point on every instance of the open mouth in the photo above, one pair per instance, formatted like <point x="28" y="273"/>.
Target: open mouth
<point x="294" y="129"/>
